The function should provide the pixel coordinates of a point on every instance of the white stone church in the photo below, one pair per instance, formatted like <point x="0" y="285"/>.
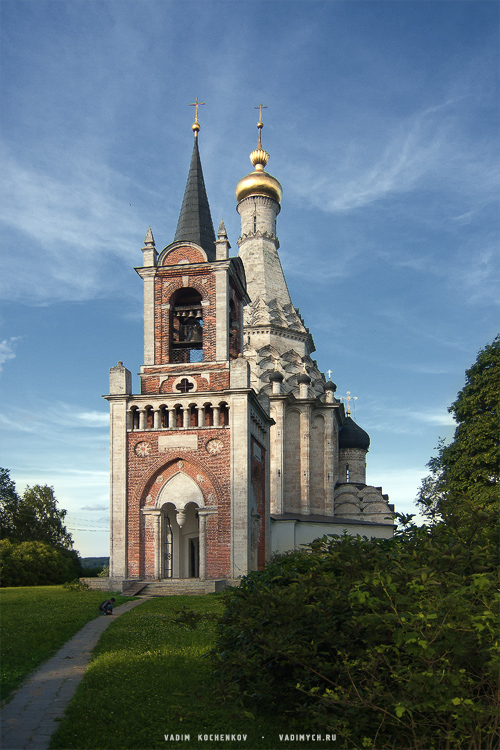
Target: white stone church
<point x="235" y="446"/>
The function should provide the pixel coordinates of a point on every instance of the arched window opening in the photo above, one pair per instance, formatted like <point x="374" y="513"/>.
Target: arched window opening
<point x="134" y="418"/>
<point x="186" y="326"/>
<point x="224" y="415"/>
<point x="209" y="415"/>
<point x="164" y="416"/>
<point x="149" y="418"/>
<point x="193" y="416"/>
<point x="178" y="417"/>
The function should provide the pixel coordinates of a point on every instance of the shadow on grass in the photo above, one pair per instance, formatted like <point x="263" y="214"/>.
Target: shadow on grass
<point x="150" y="682"/>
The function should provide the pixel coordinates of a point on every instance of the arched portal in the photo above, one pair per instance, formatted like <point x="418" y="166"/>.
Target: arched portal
<point x="179" y="537"/>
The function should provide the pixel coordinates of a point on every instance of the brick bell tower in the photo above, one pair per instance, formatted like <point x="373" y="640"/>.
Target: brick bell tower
<point x="190" y="452"/>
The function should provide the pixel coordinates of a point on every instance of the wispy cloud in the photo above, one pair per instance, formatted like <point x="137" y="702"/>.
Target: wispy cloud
<point x="7" y="350"/>
<point x="426" y="150"/>
<point x="381" y="418"/>
<point x="74" y="218"/>
<point x="60" y="416"/>
<point x="93" y="418"/>
<point x="95" y="507"/>
<point x="430" y="417"/>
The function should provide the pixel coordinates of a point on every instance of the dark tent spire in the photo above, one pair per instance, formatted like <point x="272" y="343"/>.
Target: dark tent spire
<point x="195" y="221"/>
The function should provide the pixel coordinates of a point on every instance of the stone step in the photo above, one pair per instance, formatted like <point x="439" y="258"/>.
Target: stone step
<point x="135" y="589"/>
<point x="175" y="587"/>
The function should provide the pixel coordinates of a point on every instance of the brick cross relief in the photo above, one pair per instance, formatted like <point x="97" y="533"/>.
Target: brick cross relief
<point x="184" y="386"/>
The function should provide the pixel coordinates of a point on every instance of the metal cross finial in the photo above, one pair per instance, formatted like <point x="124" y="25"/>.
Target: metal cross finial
<point x="196" y="104"/>
<point x="349" y="399"/>
<point x="260" y="124"/>
<point x="329" y="374"/>
<point x="276" y="363"/>
<point x="260" y="108"/>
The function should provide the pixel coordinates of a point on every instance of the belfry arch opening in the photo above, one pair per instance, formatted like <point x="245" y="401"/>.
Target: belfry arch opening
<point x="179" y="541"/>
<point x="186" y="310"/>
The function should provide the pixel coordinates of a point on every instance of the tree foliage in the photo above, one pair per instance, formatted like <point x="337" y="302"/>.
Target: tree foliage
<point x="387" y="643"/>
<point x="32" y="517"/>
<point x="464" y="483"/>
<point x="9" y="500"/>
<point x="37" y="564"/>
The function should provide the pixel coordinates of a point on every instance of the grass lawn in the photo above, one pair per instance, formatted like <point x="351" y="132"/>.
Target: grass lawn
<point x="36" y="621"/>
<point x="150" y="677"/>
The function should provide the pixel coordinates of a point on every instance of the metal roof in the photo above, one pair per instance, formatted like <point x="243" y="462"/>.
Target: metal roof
<point x="195" y="220"/>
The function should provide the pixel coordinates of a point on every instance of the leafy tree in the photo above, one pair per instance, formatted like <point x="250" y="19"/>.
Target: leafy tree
<point x="9" y="501"/>
<point x="387" y="643"/>
<point x="32" y="517"/>
<point x="37" y="564"/>
<point x="464" y="484"/>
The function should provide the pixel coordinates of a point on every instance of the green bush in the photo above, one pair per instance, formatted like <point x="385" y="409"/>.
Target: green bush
<point x="36" y="564"/>
<point x="386" y="643"/>
<point x="92" y="572"/>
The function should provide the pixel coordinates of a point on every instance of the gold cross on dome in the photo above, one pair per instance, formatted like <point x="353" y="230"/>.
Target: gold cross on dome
<point x="260" y="108"/>
<point x="196" y="104"/>
<point x="276" y="363"/>
<point x="349" y="399"/>
<point x="329" y="374"/>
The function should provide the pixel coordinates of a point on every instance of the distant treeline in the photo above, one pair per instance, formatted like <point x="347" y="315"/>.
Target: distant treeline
<point x="94" y="562"/>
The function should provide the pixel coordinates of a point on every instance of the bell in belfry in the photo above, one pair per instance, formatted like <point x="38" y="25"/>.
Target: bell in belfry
<point x="194" y="331"/>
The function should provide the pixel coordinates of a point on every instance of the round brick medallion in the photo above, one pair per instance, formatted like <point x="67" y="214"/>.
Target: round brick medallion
<point x="214" y="446"/>
<point x="142" y="449"/>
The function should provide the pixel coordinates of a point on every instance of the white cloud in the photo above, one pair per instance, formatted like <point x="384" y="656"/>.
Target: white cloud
<point x="95" y="507"/>
<point x="59" y="416"/>
<point x="431" y="417"/>
<point x="93" y="418"/>
<point x="72" y="225"/>
<point x="380" y="418"/>
<point x="427" y="150"/>
<point x="7" y="350"/>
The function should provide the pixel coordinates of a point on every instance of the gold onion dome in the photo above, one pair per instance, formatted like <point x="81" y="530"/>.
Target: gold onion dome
<point x="259" y="182"/>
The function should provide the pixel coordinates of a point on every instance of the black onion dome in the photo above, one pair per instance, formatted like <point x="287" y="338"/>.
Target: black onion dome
<point x="330" y="386"/>
<point x="352" y="436"/>
<point x="275" y="375"/>
<point x="304" y="378"/>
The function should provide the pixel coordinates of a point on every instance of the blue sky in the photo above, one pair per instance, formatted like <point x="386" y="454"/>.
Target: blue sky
<point x="382" y="127"/>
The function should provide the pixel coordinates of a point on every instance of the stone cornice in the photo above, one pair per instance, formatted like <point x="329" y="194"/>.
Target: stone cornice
<point x="259" y="235"/>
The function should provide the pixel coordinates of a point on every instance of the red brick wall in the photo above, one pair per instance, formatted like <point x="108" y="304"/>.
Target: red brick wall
<point x="219" y="381"/>
<point x="210" y="472"/>
<point x="178" y="254"/>
<point x="168" y="281"/>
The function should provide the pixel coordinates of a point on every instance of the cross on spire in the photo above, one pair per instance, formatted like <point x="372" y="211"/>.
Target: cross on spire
<point x="260" y="108"/>
<point x="196" y="104"/>
<point x="349" y="398"/>
<point x="329" y="374"/>
<point x="260" y="124"/>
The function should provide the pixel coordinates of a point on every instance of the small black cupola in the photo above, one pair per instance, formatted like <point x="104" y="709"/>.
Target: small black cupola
<point x="352" y="436"/>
